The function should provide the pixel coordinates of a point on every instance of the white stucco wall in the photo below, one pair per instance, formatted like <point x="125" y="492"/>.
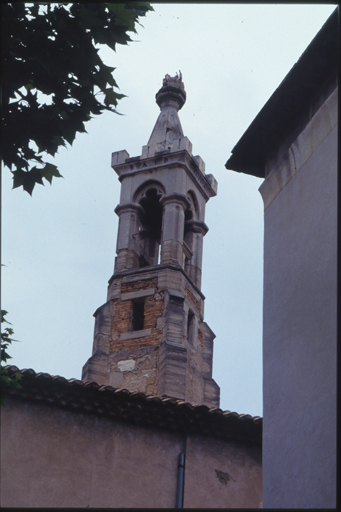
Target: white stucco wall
<point x="299" y="361"/>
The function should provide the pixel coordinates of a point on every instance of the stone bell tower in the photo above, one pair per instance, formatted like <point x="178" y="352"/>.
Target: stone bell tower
<point x="150" y="335"/>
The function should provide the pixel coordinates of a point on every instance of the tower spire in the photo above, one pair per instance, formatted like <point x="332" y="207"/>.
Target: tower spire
<point x="167" y="130"/>
<point x="150" y="335"/>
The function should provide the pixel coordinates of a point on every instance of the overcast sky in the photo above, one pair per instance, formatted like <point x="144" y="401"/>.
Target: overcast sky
<point x="58" y="247"/>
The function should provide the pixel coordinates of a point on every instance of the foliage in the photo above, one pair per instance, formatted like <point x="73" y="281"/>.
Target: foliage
<point x="6" y="380"/>
<point x="53" y="78"/>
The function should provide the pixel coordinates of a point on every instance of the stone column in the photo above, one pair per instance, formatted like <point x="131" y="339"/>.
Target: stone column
<point x="173" y="220"/>
<point x="195" y="232"/>
<point x="127" y="237"/>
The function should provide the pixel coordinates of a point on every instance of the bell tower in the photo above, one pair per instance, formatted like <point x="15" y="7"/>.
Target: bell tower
<point x="150" y="335"/>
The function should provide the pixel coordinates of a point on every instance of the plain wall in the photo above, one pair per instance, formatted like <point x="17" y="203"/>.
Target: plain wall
<point x="53" y="457"/>
<point x="222" y="474"/>
<point x="299" y="340"/>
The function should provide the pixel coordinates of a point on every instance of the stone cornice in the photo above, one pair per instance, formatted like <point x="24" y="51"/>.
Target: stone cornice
<point x="134" y="165"/>
<point x="158" y="268"/>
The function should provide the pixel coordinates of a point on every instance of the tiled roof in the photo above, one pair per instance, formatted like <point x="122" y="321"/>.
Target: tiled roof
<point x="136" y="408"/>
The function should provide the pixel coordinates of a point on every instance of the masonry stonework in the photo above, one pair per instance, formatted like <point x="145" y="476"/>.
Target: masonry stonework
<point x="151" y="336"/>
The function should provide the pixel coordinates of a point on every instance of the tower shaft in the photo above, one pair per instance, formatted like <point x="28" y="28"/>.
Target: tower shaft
<point x="150" y="335"/>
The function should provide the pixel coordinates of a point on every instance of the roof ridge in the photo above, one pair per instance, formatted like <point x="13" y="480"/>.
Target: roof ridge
<point x="172" y="401"/>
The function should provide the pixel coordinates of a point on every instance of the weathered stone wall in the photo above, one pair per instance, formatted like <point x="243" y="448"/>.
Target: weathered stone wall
<point x="122" y="310"/>
<point x="134" y="354"/>
<point x="136" y="370"/>
<point x="52" y="457"/>
<point x="163" y="358"/>
<point x="193" y="300"/>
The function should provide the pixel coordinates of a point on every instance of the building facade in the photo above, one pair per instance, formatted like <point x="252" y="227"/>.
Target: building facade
<point x="66" y="443"/>
<point x="293" y="144"/>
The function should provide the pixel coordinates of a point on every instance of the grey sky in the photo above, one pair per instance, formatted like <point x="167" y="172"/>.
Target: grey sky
<point x="59" y="246"/>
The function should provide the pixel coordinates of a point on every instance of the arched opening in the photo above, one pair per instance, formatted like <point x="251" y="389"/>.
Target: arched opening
<point x="190" y="213"/>
<point x="150" y="227"/>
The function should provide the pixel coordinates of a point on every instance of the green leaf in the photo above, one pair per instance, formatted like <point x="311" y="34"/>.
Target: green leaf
<point x="51" y="48"/>
<point x="111" y="97"/>
<point x="50" y="171"/>
<point x="58" y="141"/>
<point x="3" y="314"/>
<point x="27" y="179"/>
<point x="19" y="177"/>
<point x="6" y="338"/>
<point x="29" y="87"/>
<point x="64" y="115"/>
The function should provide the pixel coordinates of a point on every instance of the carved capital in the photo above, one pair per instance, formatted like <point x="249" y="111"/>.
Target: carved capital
<point x="197" y="226"/>
<point x="128" y="208"/>
<point x="180" y="199"/>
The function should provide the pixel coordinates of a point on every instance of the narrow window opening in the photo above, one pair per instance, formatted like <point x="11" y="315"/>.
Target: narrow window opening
<point x="188" y="239"/>
<point x="190" y="326"/>
<point x="187" y="255"/>
<point x="137" y="315"/>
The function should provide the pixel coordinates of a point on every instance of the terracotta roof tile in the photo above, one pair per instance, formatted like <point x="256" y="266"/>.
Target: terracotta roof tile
<point x="136" y="407"/>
